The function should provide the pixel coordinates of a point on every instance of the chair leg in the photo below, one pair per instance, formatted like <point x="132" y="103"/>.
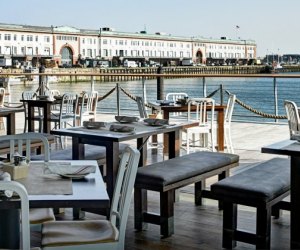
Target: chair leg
<point x="199" y="186"/>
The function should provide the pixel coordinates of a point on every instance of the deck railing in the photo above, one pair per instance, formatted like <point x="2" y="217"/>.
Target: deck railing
<point x="265" y="101"/>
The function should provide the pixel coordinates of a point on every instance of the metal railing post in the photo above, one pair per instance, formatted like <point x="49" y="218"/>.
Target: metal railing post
<point x="204" y="87"/>
<point x="92" y="83"/>
<point x="275" y="98"/>
<point x="221" y="94"/>
<point x="118" y="98"/>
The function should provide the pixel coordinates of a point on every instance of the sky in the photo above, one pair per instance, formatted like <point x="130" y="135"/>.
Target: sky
<point x="273" y="24"/>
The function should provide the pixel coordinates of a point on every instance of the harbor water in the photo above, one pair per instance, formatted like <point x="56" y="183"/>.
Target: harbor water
<point x="258" y="93"/>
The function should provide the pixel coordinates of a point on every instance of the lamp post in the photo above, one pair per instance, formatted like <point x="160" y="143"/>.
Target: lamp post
<point x="100" y="43"/>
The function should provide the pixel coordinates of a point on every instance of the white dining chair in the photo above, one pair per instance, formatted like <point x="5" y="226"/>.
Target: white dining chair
<point x="227" y="123"/>
<point x="20" y="190"/>
<point x="98" y="234"/>
<point x="21" y="143"/>
<point x="175" y="96"/>
<point x="88" y="107"/>
<point x="204" y="116"/>
<point x="2" y="97"/>
<point x="292" y="113"/>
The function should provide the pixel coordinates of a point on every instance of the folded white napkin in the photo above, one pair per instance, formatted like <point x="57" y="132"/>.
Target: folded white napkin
<point x="4" y="176"/>
<point x="62" y="168"/>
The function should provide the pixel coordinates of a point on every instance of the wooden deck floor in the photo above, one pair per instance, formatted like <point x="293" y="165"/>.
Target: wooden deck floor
<point x="199" y="227"/>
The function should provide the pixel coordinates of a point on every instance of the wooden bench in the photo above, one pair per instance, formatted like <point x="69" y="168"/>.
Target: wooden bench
<point x="167" y="176"/>
<point x="261" y="186"/>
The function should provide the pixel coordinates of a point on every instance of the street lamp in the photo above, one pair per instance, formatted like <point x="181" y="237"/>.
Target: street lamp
<point x="100" y="43"/>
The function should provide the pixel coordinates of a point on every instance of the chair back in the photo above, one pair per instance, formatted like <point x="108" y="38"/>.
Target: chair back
<point x="175" y="96"/>
<point x="141" y="107"/>
<point x="201" y="115"/>
<point x="18" y="142"/>
<point x="123" y="191"/>
<point x="88" y="105"/>
<point x="25" y="227"/>
<point x="229" y="108"/>
<point x="2" y="96"/>
<point x="293" y="117"/>
<point x="68" y="107"/>
<point x="51" y="93"/>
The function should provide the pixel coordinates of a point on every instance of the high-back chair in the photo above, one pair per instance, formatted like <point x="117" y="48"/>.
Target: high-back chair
<point x="21" y="143"/>
<point x="173" y="96"/>
<point x="204" y="115"/>
<point x="20" y="190"/>
<point x="227" y="123"/>
<point x="88" y="106"/>
<point x="293" y="118"/>
<point x="30" y="95"/>
<point x="141" y="106"/>
<point x="2" y="97"/>
<point x="98" y="234"/>
<point x="67" y="112"/>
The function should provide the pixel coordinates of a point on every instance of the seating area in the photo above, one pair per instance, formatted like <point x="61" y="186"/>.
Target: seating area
<point x="188" y="173"/>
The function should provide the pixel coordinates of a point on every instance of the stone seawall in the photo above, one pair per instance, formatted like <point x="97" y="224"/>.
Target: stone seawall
<point x="167" y="70"/>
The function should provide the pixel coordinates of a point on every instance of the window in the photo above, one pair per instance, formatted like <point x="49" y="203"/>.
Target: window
<point x="46" y="39"/>
<point x="29" y="38"/>
<point x="83" y="40"/>
<point x="36" y="38"/>
<point x="36" y="50"/>
<point x="15" y="37"/>
<point x="83" y="51"/>
<point x="23" y="50"/>
<point x="104" y="41"/>
<point x="7" y="37"/>
<point x="47" y="51"/>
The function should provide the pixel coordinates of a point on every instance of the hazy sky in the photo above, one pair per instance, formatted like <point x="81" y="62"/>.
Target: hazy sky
<point x="273" y="24"/>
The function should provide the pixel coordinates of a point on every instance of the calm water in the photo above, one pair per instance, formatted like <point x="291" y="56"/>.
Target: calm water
<point x="255" y="92"/>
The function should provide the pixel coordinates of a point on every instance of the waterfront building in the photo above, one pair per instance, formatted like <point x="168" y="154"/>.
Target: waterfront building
<point x="69" y="45"/>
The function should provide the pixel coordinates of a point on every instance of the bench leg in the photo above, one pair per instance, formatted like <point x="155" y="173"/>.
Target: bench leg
<point x="199" y="186"/>
<point x="140" y="207"/>
<point x="222" y="176"/>
<point x="229" y="224"/>
<point x="167" y="213"/>
<point x="263" y="228"/>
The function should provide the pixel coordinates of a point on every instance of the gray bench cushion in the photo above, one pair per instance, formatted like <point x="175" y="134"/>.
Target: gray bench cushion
<point x="171" y="171"/>
<point x="92" y="152"/>
<point x="261" y="183"/>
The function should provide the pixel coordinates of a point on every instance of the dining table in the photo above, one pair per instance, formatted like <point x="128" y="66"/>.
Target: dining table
<point x="103" y="136"/>
<point x="50" y="190"/>
<point x="291" y="148"/>
<point x="45" y="105"/>
<point x="167" y="109"/>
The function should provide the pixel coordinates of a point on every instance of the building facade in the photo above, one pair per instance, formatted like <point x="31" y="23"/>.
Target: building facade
<point x="68" y="46"/>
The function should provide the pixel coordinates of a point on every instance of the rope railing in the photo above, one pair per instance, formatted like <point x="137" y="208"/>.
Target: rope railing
<point x="107" y="94"/>
<point x="238" y="101"/>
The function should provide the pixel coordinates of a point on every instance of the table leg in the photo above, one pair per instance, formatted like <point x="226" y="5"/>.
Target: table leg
<point x="9" y="228"/>
<point x="47" y="117"/>
<point x="295" y="202"/>
<point x="30" y="118"/>
<point x="166" y="115"/>
<point x="142" y="146"/>
<point x="112" y="166"/>
<point x="11" y="124"/>
<point x="221" y="130"/>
